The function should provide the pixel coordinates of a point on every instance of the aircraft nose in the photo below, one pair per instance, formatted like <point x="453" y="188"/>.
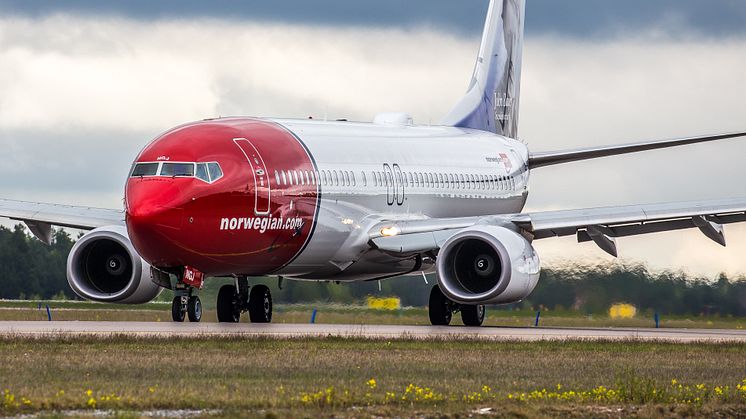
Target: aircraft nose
<point x="154" y="203"/>
<point x="154" y="220"/>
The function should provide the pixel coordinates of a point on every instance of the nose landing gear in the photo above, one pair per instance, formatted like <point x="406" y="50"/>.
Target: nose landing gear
<point x="441" y="310"/>
<point x="236" y="299"/>
<point x="185" y="304"/>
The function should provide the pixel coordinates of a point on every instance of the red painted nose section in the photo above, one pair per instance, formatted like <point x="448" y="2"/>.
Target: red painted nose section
<point x="247" y="221"/>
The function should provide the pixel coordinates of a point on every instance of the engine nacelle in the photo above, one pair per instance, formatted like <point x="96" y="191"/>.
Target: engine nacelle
<point x="487" y="265"/>
<point x="104" y="266"/>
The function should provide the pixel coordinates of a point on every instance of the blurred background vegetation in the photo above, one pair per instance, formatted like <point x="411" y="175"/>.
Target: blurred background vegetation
<point x="32" y="270"/>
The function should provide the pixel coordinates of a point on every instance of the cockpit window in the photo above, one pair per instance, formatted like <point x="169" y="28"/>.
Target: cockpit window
<point x="202" y="172"/>
<point x="215" y="171"/>
<point x="206" y="172"/>
<point x="145" y="169"/>
<point x="177" y="169"/>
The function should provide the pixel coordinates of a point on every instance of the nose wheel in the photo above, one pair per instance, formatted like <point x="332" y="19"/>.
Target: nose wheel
<point x="184" y="306"/>
<point x="233" y="300"/>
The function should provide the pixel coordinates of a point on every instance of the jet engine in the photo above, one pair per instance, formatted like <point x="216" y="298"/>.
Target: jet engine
<point x="487" y="265"/>
<point x="104" y="266"/>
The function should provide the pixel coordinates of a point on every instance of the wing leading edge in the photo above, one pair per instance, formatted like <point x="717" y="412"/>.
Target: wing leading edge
<point x="40" y="217"/>
<point x="600" y="225"/>
<point x="537" y="160"/>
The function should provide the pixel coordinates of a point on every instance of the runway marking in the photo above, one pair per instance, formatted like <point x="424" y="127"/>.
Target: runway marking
<point x="168" y="329"/>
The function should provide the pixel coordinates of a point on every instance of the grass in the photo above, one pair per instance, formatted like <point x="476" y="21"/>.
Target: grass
<point x="306" y="377"/>
<point x="339" y="314"/>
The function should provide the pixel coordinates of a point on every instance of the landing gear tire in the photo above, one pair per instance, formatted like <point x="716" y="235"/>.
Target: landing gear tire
<point x="440" y="308"/>
<point x="260" y="304"/>
<point x="229" y="310"/>
<point x="194" y="309"/>
<point x="178" y="310"/>
<point x="473" y="315"/>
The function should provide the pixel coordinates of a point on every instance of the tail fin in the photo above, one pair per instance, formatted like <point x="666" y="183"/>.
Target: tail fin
<point x="491" y="103"/>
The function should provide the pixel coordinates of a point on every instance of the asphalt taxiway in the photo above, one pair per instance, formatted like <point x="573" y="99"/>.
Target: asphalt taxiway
<point x="165" y="329"/>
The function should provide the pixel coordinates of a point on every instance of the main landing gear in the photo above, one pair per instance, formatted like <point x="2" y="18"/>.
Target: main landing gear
<point x="236" y="299"/>
<point x="441" y="310"/>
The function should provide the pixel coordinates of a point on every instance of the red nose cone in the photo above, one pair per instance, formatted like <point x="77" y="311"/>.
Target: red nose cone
<point x="154" y="214"/>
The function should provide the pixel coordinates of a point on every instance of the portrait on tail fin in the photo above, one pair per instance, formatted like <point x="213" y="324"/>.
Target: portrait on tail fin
<point x="492" y="100"/>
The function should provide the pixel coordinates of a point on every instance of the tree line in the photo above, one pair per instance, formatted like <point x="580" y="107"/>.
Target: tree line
<point x="31" y="269"/>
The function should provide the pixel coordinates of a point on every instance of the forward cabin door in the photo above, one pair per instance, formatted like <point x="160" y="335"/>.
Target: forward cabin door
<point x="262" y="186"/>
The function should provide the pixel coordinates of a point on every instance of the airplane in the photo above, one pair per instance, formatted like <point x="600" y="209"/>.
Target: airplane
<point x="310" y="200"/>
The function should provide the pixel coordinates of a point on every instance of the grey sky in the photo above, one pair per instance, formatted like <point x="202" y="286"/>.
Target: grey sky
<point x="580" y="18"/>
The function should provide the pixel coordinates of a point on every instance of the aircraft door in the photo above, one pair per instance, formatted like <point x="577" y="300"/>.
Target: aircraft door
<point x="399" y="188"/>
<point x="262" y="186"/>
<point x="388" y="179"/>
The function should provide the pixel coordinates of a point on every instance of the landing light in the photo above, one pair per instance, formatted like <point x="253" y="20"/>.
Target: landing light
<point x="390" y="231"/>
<point x="348" y="221"/>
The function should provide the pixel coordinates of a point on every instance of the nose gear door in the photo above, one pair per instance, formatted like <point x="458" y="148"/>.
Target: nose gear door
<point x="262" y="186"/>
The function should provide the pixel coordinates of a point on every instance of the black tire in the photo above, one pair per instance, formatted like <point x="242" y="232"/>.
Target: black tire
<point x="194" y="309"/>
<point x="178" y="310"/>
<point x="439" y="308"/>
<point x="260" y="304"/>
<point x="473" y="315"/>
<point x="228" y="310"/>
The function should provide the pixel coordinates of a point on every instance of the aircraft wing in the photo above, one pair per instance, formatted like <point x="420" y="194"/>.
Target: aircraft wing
<point x="40" y="217"/>
<point x="600" y="225"/>
<point x="537" y="160"/>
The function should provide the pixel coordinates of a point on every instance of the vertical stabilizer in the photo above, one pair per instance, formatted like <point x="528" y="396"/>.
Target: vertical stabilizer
<point x="491" y="102"/>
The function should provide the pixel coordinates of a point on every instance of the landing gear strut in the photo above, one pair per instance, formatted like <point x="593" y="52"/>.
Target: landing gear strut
<point x="441" y="310"/>
<point x="236" y="299"/>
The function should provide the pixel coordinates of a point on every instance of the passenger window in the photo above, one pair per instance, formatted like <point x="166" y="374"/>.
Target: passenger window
<point x="215" y="171"/>
<point x="421" y="179"/>
<point x="336" y="178"/>
<point x="277" y="175"/>
<point x="308" y="178"/>
<point x="346" y="178"/>
<point x="284" y="178"/>
<point x="295" y="176"/>
<point x="352" y="178"/>
<point x="145" y="169"/>
<point x="365" y="181"/>
<point x="202" y="172"/>
<point x="177" y="169"/>
<point x="323" y="177"/>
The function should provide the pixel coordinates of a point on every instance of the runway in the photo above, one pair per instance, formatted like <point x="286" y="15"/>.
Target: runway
<point x="167" y="329"/>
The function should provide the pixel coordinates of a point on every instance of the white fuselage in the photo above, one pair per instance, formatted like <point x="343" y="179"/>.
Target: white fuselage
<point x="369" y="173"/>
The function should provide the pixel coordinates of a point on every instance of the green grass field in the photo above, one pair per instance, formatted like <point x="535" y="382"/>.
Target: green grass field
<point x="230" y="377"/>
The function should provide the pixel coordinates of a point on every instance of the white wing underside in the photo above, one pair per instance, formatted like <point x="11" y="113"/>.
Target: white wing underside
<point x="600" y="225"/>
<point x="40" y="217"/>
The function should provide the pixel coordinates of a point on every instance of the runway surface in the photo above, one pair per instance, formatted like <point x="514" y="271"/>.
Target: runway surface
<point x="38" y="328"/>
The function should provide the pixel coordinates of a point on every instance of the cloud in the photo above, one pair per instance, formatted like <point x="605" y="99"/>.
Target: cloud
<point x="81" y="95"/>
